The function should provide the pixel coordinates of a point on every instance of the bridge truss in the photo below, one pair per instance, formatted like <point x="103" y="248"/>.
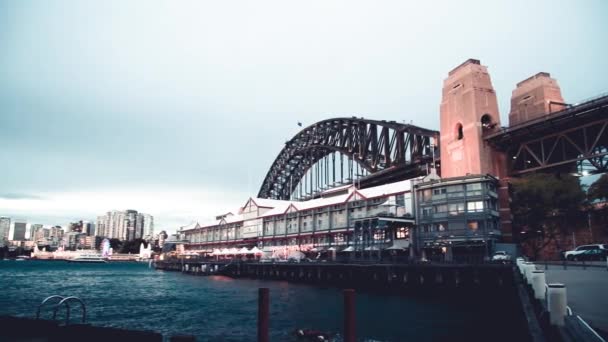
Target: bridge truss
<point x="339" y="151"/>
<point x="574" y="140"/>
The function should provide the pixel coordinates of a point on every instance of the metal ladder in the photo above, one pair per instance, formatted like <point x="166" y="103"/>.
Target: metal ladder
<point x="60" y="301"/>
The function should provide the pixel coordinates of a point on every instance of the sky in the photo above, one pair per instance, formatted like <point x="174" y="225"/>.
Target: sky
<point x="178" y="108"/>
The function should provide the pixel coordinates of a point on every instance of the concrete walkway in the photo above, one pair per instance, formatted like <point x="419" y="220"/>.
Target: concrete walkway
<point x="587" y="291"/>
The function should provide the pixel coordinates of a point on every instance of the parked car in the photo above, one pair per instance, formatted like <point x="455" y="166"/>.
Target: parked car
<point x="574" y="254"/>
<point x="592" y="255"/>
<point x="501" y="256"/>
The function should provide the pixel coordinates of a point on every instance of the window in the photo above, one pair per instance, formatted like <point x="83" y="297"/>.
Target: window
<point x="379" y="235"/>
<point x="439" y="191"/>
<point x="426" y="212"/>
<point x="473" y="225"/>
<point x="475" y="206"/>
<point x="442" y="226"/>
<point x="454" y="188"/>
<point x="441" y="208"/>
<point x="473" y="186"/>
<point x="402" y="233"/>
<point x="459" y="132"/>
<point x="486" y="122"/>
<point x="339" y="238"/>
<point x="426" y="195"/>
<point x="400" y="200"/>
<point x="456" y="208"/>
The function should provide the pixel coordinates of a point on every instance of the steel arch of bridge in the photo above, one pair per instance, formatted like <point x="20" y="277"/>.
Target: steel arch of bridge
<point x="387" y="150"/>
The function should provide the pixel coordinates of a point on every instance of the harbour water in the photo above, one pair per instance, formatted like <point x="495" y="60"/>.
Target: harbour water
<point x="130" y="295"/>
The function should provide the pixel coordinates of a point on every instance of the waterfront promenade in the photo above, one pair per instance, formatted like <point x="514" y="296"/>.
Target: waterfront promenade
<point x="586" y="290"/>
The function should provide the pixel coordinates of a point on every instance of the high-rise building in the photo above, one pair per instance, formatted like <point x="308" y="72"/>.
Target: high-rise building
<point x="19" y="231"/>
<point x="124" y="225"/>
<point x="5" y="226"/>
<point x="148" y="227"/>
<point x="34" y="228"/>
<point x="130" y="223"/>
<point x="88" y="228"/>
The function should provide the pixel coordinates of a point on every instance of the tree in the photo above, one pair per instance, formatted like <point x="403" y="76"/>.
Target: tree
<point x="132" y="246"/>
<point x="599" y="189"/>
<point x="544" y="207"/>
<point x="116" y="244"/>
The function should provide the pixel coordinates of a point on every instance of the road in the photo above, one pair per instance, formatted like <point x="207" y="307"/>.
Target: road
<point x="586" y="289"/>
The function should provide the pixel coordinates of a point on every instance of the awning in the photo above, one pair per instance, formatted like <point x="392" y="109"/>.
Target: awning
<point x="348" y="249"/>
<point x="255" y="250"/>
<point x="371" y="248"/>
<point x="395" y="248"/>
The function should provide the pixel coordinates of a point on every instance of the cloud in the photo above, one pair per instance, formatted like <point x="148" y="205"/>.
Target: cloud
<point x="18" y="196"/>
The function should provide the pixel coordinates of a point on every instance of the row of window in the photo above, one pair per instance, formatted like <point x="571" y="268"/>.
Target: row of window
<point x="471" y="225"/>
<point x="457" y="190"/>
<point x="459" y="208"/>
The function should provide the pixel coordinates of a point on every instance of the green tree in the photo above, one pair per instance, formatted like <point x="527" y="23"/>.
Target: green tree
<point x="132" y="246"/>
<point x="116" y="244"/>
<point x="545" y="206"/>
<point x="599" y="189"/>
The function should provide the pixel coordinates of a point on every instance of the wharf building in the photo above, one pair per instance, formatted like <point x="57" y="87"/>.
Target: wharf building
<point x="363" y="221"/>
<point x="411" y="190"/>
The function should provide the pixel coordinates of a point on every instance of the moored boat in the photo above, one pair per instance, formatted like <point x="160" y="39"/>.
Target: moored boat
<point x="89" y="258"/>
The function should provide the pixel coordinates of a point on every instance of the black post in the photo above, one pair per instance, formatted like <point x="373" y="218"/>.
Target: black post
<point x="263" y="314"/>
<point x="349" y="316"/>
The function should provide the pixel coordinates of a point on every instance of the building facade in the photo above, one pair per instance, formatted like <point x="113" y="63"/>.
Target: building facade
<point x="457" y="217"/>
<point x="124" y="225"/>
<point x="5" y="226"/>
<point x="19" y="231"/>
<point x="362" y="221"/>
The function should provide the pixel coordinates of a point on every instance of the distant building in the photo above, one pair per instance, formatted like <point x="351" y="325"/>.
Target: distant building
<point x="5" y="225"/>
<point x="124" y="225"/>
<point x="34" y="229"/>
<point x="162" y="236"/>
<point x="148" y="227"/>
<point x="76" y="227"/>
<point x="88" y="228"/>
<point x="19" y="231"/>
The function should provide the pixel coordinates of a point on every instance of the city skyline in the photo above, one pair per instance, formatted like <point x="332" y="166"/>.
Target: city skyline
<point x="119" y="112"/>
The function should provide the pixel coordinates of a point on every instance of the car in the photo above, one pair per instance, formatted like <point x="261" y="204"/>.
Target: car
<point x="592" y="255"/>
<point x="573" y="254"/>
<point x="501" y="256"/>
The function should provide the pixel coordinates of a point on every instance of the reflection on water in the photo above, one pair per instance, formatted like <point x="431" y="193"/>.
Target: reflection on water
<point x="130" y="295"/>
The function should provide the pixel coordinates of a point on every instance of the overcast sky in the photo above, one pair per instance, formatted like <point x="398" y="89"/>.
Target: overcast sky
<point x="178" y="108"/>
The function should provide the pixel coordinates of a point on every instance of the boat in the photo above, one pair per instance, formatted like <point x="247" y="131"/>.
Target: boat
<point x="89" y="259"/>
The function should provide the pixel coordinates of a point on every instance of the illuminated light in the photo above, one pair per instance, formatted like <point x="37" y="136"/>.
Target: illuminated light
<point x="585" y="173"/>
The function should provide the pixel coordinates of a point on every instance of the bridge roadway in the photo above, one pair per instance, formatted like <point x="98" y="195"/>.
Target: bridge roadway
<point x="586" y="288"/>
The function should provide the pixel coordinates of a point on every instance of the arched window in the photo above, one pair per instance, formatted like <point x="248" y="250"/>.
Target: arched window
<point x="486" y="121"/>
<point x="459" y="133"/>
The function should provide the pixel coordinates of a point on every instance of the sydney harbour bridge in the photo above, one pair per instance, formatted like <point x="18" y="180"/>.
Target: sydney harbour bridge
<point x="339" y="151"/>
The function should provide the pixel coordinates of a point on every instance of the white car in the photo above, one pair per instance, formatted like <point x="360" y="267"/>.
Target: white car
<point x="501" y="256"/>
<point x="572" y="255"/>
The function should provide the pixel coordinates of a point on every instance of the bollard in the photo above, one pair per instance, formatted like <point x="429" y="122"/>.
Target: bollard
<point x="519" y="262"/>
<point x="557" y="303"/>
<point x="538" y="284"/>
<point x="349" y="315"/>
<point x="528" y="268"/>
<point x="263" y="314"/>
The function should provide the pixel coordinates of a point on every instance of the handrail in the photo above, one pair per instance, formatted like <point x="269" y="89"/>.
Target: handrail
<point x="46" y="300"/>
<point x="65" y="301"/>
<point x="591" y="329"/>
